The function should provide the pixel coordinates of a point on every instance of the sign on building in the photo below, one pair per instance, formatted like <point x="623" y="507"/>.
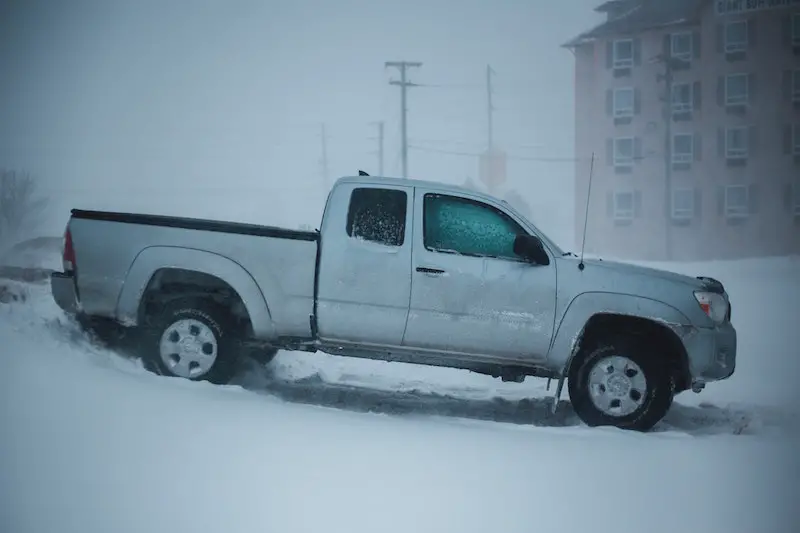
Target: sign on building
<point x="492" y="169"/>
<point x="729" y="7"/>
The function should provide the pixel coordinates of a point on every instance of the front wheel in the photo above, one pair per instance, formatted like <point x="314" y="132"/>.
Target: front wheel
<point x="191" y="339"/>
<point x="621" y="383"/>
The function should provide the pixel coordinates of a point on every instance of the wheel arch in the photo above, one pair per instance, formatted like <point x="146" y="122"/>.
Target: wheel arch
<point x="590" y="314"/>
<point x="192" y="269"/>
<point x="669" y="344"/>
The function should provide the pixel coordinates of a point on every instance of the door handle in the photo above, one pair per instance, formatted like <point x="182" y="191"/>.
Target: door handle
<point x="426" y="270"/>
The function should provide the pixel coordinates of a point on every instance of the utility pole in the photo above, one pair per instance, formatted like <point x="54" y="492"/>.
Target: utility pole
<point x="489" y="107"/>
<point x="379" y="138"/>
<point x="670" y="63"/>
<point x="404" y="84"/>
<point x="324" y="159"/>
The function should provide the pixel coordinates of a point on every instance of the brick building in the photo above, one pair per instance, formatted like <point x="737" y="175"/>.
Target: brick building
<point x="709" y="168"/>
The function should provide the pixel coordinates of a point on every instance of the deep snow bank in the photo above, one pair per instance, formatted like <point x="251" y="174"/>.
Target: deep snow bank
<point x="92" y="443"/>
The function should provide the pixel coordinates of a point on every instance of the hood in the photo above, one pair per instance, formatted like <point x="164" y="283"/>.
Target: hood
<point x="636" y="270"/>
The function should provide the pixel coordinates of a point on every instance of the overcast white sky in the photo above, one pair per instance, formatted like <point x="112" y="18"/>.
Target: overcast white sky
<point x="212" y="108"/>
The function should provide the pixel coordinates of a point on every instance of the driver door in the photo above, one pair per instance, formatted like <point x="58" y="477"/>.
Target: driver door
<point x="469" y="292"/>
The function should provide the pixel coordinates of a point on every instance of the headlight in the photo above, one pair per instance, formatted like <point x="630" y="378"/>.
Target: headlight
<point x="713" y="304"/>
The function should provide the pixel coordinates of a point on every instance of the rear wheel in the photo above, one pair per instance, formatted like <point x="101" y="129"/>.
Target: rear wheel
<point x="191" y="339"/>
<point x="620" y="382"/>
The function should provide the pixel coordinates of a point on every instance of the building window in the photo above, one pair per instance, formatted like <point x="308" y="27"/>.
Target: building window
<point x="736" y="201"/>
<point x="378" y="215"/>
<point x="736" y="143"/>
<point x="622" y="54"/>
<point x="623" y="205"/>
<point x="736" y="89"/>
<point x="796" y="86"/>
<point x="681" y="46"/>
<point x="682" y="98"/>
<point x="682" y="148"/>
<point x="624" y="102"/>
<point x="683" y="204"/>
<point x="624" y="151"/>
<point x="735" y="36"/>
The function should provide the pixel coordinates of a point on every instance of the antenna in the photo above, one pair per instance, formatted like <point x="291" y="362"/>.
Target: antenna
<point x="581" y="266"/>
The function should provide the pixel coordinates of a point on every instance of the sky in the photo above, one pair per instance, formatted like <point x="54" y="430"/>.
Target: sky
<point x="215" y="109"/>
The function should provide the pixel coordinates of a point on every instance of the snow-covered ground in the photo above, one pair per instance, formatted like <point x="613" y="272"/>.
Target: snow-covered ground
<point x="90" y="442"/>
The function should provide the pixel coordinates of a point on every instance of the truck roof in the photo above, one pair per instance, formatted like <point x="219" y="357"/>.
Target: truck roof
<point x="443" y="187"/>
<point x="409" y="182"/>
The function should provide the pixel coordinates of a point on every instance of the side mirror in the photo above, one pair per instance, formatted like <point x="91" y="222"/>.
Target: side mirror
<point x="531" y="249"/>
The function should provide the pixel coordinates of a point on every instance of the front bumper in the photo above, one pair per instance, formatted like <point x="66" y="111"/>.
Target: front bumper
<point x="711" y="353"/>
<point x="62" y="286"/>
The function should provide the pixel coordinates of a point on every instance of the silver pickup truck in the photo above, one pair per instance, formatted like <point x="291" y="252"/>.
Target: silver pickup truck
<point x="403" y="270"/>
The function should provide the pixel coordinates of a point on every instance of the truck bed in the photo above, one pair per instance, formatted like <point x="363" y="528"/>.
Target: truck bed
<point x="119" y="253"/>
<point x="197" y="224"/>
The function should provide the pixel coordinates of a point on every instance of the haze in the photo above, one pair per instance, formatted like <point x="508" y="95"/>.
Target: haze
<point x="214" y="109"/>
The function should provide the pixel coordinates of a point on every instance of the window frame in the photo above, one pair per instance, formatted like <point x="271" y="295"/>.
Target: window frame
<point x="686" y="157"/>
<point x="730" y="152"/>
<point x="473" y="201"/>
<point x="743" y="99"/>
<point x="675" y="38"/>
<point x="624" y="162"/>
<point x="736" y="211"/>
<point x="616" y="62"/>
<point x="684" y="106"/>
<point x="686" y="213"/>
<point x="627" y="113"/>
<point x="736" y="46"/>
<point x="350" y="217"/>
<point x="620" y="215"/>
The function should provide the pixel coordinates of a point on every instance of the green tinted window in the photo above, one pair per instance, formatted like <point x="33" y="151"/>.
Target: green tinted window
<point x="458" y="225"/>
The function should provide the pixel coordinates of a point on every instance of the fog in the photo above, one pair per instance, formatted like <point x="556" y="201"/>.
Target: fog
<point x="215" y="109"/>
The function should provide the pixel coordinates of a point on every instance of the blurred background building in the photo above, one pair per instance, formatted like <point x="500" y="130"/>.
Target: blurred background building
<point x="692" y="108"/>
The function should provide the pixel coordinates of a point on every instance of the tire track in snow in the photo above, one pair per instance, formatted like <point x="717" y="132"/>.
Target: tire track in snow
<point x="419" y="398"/>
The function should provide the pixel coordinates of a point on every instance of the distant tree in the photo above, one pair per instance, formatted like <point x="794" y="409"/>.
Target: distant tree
<point x="21" y="207"/>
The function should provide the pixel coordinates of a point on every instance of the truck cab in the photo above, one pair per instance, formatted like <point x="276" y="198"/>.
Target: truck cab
<point x="424" y="269"/>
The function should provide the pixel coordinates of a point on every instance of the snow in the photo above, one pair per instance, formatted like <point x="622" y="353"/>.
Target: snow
<point x="90" y="442"/>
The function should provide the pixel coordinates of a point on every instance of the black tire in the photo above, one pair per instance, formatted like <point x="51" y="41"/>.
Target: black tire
<point x="660" y="384"/>
<point x="218" y="324"/>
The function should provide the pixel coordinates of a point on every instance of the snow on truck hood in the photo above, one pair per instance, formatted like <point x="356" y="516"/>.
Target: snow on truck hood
<point x="637" y="270"/>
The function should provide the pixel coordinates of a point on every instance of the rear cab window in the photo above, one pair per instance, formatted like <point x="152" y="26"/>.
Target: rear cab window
<point x="378" y="215"/>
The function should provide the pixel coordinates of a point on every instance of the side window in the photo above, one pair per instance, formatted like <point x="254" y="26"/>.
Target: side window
<point x="458" y="225"/>
<point x="378" y="215"/>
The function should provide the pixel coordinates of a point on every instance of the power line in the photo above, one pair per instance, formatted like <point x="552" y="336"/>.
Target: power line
<point x="468" y="86"/>
<point x="404" y="84"/>
<point x="512" y="157"/>
<point x="474" y="143"/>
